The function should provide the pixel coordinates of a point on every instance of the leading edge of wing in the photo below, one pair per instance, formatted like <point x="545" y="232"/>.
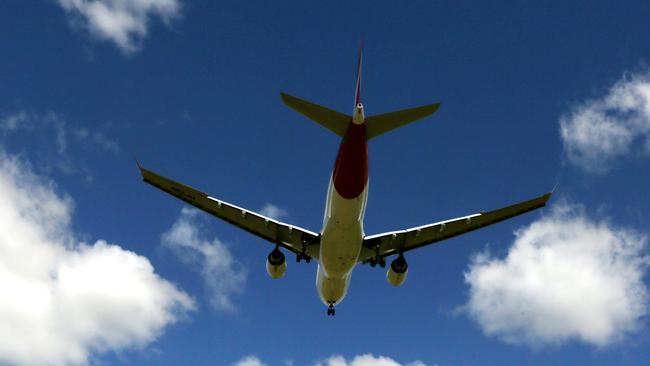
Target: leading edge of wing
<point x="394" y="242"/>
<point x="293" y="238"/>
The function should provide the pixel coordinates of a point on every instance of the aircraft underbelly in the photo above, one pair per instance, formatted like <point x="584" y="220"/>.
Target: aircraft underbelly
<point x="340" y="247"/>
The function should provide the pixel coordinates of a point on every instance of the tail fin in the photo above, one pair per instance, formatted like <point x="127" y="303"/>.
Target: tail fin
<point x="357" y="89"/>
<point x="382" y="123"/>
<point x="332" y="120"/>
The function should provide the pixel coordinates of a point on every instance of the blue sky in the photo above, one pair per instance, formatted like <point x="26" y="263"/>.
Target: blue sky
<point x="533" y="95"/>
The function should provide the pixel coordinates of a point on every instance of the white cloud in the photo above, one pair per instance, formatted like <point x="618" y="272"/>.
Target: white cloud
<point x="273" y="211"/>
<point x="566" y="277"/>
<point x="14" y="121"/>
<point x="249" y="361"/>
<point x="124" y="22"/>
<point x="365" y="360"/>
<point x="599" y="131"/>
<point x="61" y="301"/>
<point x="337" y="360"/>
<point x="222" y="274"/>
<point x="56" y="138"/>
<point x="96" y="139"/>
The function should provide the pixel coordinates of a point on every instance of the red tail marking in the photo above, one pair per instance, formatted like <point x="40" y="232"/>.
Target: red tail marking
<point x="351" y="167"/>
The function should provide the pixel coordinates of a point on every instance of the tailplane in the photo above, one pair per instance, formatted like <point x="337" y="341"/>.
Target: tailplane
<point x="338" y="122"/>
<point x="382" y="123"/>
<point x="334" y="121"/>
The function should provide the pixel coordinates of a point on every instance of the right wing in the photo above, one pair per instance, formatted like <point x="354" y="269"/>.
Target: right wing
<point x="379" y="246"/>
<point x="293" y="238"/>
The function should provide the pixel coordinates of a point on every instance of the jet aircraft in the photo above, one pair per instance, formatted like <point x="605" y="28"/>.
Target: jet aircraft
<point x="341" y="244"/>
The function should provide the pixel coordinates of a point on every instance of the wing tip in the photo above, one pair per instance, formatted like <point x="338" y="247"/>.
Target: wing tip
<point x="142" y="170"/>
<point x="547" y="196"/>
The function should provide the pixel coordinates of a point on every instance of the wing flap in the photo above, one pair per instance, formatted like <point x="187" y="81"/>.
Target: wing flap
<point x="386" y="244"/>
<point x="293" y="238"/>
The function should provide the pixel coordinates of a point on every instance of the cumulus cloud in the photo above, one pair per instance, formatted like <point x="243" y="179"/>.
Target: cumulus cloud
<point x="123" y="22"/>
<point x="337" y="360"/>
<point x="615" y="125"/>
<point x="273" y="211"/>
<point x="365" y="360"/>
<point x="63" y="301"/>
<point x="566" y="277"/>
<point x="222" y="274"/>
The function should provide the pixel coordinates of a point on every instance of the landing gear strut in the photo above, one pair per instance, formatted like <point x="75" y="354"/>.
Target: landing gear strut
<point x="330" y="310"/>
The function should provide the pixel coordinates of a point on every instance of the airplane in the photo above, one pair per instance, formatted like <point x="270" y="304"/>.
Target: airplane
<point x="342" y="244"/>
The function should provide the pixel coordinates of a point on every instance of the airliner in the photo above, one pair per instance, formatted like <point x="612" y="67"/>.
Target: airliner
<point x="341" y="244"/>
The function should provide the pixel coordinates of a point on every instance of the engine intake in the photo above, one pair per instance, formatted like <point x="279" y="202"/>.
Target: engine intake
<point x="396" y="274"/>
<point x="276" y="264"/>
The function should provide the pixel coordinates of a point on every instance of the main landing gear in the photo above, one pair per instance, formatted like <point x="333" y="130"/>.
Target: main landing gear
<point x="330" y="310"/>
<point x="305" y="257"/>
<point x="376" y="261"/>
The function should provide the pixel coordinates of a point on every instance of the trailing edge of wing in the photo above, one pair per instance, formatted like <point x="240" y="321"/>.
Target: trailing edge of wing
<point x="332" y="120"/>
<point x="386" y="244"/>
<point x="293" y="238"/>
<point x="382" y="123"/>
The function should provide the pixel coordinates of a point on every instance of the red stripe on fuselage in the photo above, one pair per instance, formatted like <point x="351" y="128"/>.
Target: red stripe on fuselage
<point x="351" y="167"/>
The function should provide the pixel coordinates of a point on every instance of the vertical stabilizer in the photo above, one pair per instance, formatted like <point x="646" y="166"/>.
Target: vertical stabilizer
<point x="357" y="113"/>
<point x="357" y="90"/>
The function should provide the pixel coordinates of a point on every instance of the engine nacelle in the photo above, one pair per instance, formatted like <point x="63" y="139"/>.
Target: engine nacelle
<point x="396" y="274"/>
<point x="276" y="264"/>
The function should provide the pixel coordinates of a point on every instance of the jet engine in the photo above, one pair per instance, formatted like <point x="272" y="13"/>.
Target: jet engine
<point x="397" y="271"/>
<point x="276" y="264"/>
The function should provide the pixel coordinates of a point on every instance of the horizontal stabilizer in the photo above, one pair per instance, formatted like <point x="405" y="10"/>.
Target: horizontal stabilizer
<point x="382" y="123"/>
<point x="332" y="120"/>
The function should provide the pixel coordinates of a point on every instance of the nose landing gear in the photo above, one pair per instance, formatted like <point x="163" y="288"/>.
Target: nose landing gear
<point x="330" y="310"/>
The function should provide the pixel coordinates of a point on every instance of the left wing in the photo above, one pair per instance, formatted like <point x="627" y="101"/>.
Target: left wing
<point x="377" y="247"/>
<point x="293" y="238"/>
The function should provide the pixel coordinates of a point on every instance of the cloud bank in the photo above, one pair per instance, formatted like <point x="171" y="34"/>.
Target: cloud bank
<point x="599" y="131"/>
<point x="566" y="277"/>
<point x="62" y="301"/>
<point x="222" y="274"/>
<point x="123" y="22"/>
